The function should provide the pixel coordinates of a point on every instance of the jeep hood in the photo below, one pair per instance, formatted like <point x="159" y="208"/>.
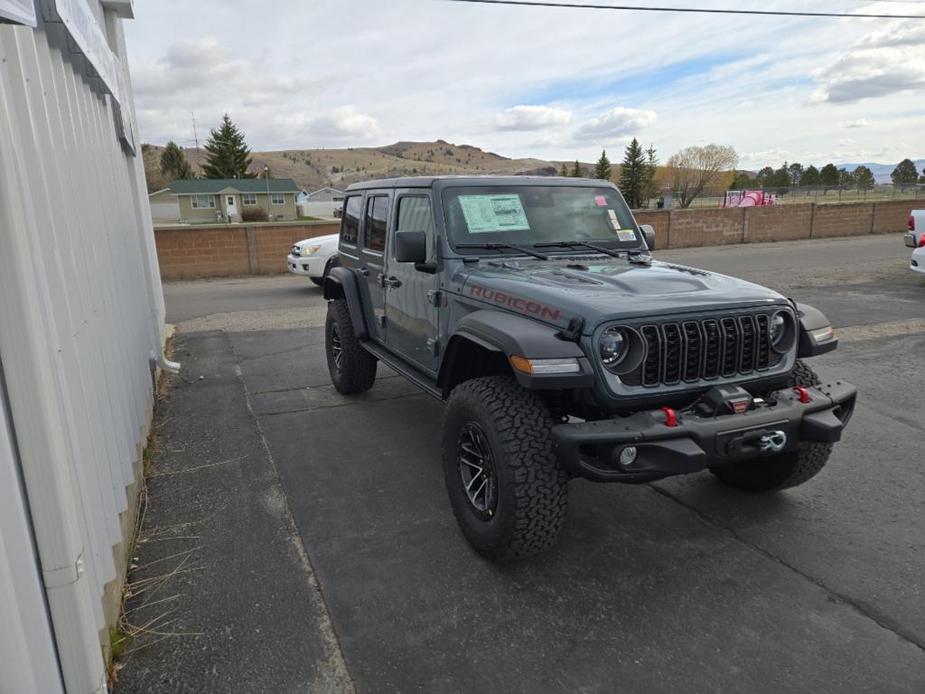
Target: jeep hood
<point x="599" y="290"/>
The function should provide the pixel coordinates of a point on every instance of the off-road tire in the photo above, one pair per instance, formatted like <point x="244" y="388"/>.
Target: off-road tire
<point x="357" y="370"/>
<point x="532" y="488"/>
<point x="785" y="470"/>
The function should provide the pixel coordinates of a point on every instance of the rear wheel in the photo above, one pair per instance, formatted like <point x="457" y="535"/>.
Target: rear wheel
<point x="507" y="490"/>
<point x="785" y="470"/>
<point x="352" y="368"/>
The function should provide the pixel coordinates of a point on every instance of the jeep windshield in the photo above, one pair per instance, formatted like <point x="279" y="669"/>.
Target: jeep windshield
<point x="500" y="218"/>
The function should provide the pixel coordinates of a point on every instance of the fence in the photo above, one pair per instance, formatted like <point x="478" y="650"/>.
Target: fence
<point x="221" y="250"/>
<point x="188" y="252"/>
<point x="816" y="194"/>
<point x="81" y="320"/>
<point x="706" y="227"/>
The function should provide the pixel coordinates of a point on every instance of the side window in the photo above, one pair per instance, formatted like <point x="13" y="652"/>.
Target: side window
<point x="350" y="227"/>
<point x="377" y="221"/>
<point x="415" y="214"/>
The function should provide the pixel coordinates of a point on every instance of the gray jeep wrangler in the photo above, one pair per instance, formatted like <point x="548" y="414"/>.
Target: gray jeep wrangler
<point x="534" y="309"/>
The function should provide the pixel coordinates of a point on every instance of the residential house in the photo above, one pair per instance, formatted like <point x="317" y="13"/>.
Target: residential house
<point x="203" y="200"/>
<point x="164" y="207"/>
<point x="320" y="203"/>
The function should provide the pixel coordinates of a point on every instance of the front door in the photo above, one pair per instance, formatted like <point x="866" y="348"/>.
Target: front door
<point x="231" y="206"/>
<point x="411" y="294"/>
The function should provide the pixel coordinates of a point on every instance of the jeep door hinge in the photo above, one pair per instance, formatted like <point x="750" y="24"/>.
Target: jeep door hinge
<point x="434" y="298"/>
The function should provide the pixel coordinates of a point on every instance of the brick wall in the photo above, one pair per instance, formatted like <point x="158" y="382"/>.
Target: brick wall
<point x="705" y="227"/>
<point x="659" y="221"/>
<point x="894" y="215"/>
<point x="848" y="219"/>
<point x="207" y="250"/>
<point x="780" y="223"/>
<point x="187" y="252"/>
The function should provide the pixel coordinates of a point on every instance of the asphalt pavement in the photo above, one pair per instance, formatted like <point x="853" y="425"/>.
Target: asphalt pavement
<point x="682" y="585"/>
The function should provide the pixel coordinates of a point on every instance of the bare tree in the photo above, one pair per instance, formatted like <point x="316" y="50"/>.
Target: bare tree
<point x="695" y="169"/>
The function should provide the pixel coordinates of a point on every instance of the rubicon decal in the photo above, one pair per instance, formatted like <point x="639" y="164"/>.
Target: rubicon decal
<point x="516" y="303"/>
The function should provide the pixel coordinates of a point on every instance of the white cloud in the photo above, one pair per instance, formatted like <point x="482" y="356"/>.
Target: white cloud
<point x="854" y="124"/>
<point x="345" y="123"/>
<point x="293" y="78"/>
<point x="881" y="63"/>
<point x="525" y="118"/>
<point x="615" y="123"/>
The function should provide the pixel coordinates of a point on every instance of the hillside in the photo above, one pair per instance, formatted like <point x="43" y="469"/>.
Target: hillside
<point x="317" y="168"/>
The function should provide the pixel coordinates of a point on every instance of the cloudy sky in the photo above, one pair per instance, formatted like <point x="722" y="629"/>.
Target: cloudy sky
<point x="543" y="82"/>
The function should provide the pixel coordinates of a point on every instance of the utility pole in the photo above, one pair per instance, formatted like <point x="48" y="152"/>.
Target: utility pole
<point x="195" y="132"/>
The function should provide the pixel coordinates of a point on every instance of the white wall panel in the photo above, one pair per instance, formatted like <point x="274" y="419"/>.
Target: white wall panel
<point x="85" y="278"/>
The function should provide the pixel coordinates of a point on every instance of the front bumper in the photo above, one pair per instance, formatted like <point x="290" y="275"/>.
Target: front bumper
<point x="592" y="449"/>
<point x="308" y="266"/>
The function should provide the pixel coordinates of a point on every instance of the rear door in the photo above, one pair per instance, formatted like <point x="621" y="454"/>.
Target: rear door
<point x="410" y="293"/>
<point x="372" y="254"/>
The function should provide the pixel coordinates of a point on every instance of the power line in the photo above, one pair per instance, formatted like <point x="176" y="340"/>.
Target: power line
<point x="697" y="10"/>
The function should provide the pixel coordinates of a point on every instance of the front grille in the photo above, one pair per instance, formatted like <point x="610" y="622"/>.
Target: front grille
<point x="706" y="349"/>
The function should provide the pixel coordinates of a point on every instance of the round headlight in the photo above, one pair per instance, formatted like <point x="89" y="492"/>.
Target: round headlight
<point x="614" y="347"/>
<point x="778" y="328"/>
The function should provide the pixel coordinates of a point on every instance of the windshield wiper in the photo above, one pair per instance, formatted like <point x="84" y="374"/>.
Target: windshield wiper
<point x="498" y="245"/>
<point x="572" y="244"/>
<point x="631" y="254"/>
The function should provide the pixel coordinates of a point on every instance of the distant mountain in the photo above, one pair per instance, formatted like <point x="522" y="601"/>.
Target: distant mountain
<point x="338" y="168"/>
<point x="882" y="171"/>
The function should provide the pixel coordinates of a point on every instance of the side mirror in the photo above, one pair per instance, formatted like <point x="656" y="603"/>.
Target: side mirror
<point x="648" y="233"/>
<point x="410" y="246"/>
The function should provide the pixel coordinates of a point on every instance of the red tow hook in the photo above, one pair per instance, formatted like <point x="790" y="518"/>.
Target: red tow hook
<point x="671" y="417"/>
<point x="803" y="392"/>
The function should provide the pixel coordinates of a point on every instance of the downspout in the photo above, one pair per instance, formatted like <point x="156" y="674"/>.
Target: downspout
<point x="135" y="171"/>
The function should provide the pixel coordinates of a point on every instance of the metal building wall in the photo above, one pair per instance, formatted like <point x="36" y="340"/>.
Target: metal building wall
<point x="81" y="316"/>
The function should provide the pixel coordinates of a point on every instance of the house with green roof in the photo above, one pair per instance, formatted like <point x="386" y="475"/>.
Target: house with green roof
<point x="203" y="200"/>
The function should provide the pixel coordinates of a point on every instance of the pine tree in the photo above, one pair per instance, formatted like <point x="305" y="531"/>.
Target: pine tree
<point x="864" y="177"/>
<point x="564" y="170"/>
<point x="602" y="170"/>
<point x="227" y="155"/>
<point x="576" y="170"/>
<point x="174" y="163"/>
<point x="633" y="174"/>
<point x="650" y="187"/>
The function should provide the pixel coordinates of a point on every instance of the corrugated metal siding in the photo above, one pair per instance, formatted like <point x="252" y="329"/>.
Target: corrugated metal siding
<point x="92" y="248"/>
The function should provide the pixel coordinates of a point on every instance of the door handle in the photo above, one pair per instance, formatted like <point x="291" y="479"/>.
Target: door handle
<point x="391" y="281"/>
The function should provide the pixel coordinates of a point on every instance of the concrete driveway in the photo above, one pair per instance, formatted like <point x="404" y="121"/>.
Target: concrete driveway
<point x="681" y="585"/>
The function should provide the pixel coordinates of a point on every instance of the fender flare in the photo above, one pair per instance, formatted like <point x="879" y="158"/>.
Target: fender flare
<point x="811" y="318"/>
<point x="512" y="335"/>
<point x="342" y="283"/>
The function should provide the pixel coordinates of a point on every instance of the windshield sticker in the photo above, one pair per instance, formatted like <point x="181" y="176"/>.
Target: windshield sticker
<point x="601" y="200"/>
<point x="626" y="235"/>
<point x="614" y="222"/>
<point x="493" y="213"/>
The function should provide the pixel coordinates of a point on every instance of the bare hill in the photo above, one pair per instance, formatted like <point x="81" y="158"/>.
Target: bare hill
<point x="338" y="168"/>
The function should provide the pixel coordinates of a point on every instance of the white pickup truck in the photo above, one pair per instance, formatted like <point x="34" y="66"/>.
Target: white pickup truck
<point x="915" y="238"/>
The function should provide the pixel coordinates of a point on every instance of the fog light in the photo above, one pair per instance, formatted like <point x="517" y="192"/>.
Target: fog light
<point x="628" y="456"/>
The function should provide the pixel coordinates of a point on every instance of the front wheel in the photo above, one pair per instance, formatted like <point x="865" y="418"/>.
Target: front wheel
<point x="507" y="490"/>
<point x="784" y="470"/>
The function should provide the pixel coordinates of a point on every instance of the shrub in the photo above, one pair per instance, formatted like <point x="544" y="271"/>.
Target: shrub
<point x="255" y="214"/>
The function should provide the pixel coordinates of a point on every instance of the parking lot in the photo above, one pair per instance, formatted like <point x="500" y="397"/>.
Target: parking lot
<point x="680" y="585"/>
